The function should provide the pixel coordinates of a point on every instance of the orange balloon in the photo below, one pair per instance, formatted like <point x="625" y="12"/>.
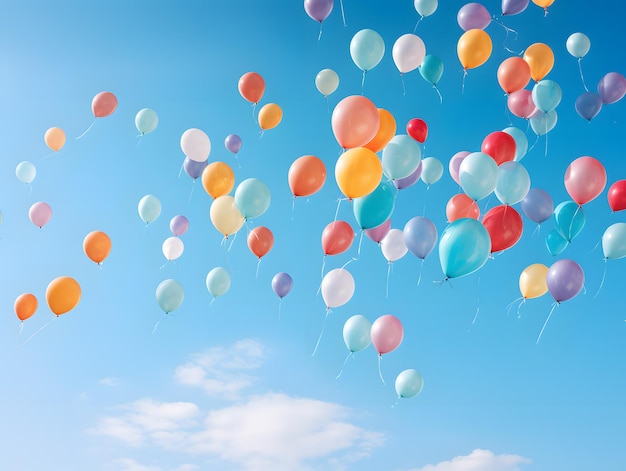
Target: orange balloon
<point x="25" y="306"/>
<point x="218" y="179"/>
<point x="63" y="294"/>
<point x="54" y="138"/>
<point x="513" y="74"/>
<point x="540" y="58"/>
<point x="462" y="206"/>
<point x="103" y="104"/>
<point x="307" y="175"/>
<point x="386" y="130"/>
<point x="358" y="172"/>
<point x="97" y="246"/>
<point x="355" y="121"/>
<point x="260" y="241"/>
<point x="251" y="87"/>
<point x="543" y="3"/>
<point x="474" y="48"/>
<point x="270" y="116"/>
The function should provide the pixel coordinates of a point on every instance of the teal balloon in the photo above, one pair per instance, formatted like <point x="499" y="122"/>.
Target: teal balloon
<point x="614" y="241"/>
<point x="252" y="198"/>
<point x="367" y="48"/>
<point x="547" y="95"/>
<point x="401" y="157"/>
<point x="356" y="333"/>
<point x="374" y="209"/>
<point x="431" y="69"/>
<point x="555" y="243"/>
<point x="478" y="174"/>
<point x="409" y="383"/>
<point x="25" y="172"/>
<point x="542" y="123"/>
<point x="170" y="295"/>
<point x="218" y="281"/>
<point x="569" y="219"/>
<point x="464" y="247"/>
<point x="149" y="208"/>
<point x="146" y="120"/>
<point x="521" y="141"/>
<point x="513" y="183"/>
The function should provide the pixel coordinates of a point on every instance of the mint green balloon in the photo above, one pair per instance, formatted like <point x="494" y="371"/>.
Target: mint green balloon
<point x="169" y="295"/>
<point x="252" y="198"/>
<point x="25" y="172"/>
<point x="356" y="333"/>
<point x="146" y="120"/>
<point x="367" y="48"/>
<point x="218" y="281"/>
<point x="409" y="383"/>
<point x="149" y="208"/>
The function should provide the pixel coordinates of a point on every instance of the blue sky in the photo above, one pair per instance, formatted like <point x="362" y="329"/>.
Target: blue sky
<point x="231" y="383"/>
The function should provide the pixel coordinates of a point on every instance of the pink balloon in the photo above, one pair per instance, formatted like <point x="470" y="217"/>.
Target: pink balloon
<point x="103" y="104"/>
<point x="521" y="103"/>
<point x="386" y="333"/>
<point x="455" y="164"/>
<point x="378" y="233"/>
<point x="40" y="213"/>
<point x="355" y="121"/>
<point x="585" y="179"/>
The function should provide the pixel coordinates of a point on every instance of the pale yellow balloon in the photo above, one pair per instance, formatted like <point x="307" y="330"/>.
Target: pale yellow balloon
<point x="54" y="138"/>
<point x="225" y="215"/>
<point x="533" y="281"/>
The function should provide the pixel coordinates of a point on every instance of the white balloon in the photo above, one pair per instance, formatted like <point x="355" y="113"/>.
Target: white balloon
<point x="393" y="245"/>
<point x="25" y="172"/>
<point x="172" y="248"/>
<point x="195" y="144"/>
<point x="327" y="81"/>
<point x="408" y="52"/>
<point x="337" y="287"/>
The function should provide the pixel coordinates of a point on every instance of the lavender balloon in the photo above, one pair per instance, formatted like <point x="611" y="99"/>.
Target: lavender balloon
<point x="420" y="236"/>
<point x="378" y="233"/>
<point x="233" y="143"/>
<point x="179" y="225"/>
<point x="565" y="279"/>
<point x="537" y="205"/>
<point x="513" y="7"/>
<point x="588" y="105"/>
<point x="318" y="9"/>
<point x="194" y="168"/>
<point x="612" y="87"/>
<point x="402" y="183"/>
<point x="473" y="16"/>
<point x="281" y="284"/>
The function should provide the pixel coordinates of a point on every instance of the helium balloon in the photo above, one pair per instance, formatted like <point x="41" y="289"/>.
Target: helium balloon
<point x="417" y="129"/>
<point x="26" y="305"/>
<point x="193" y="168"/>
<point x="533" y="282"/>
<point x="500" y="146"/>
<point x="425" y="7"/>
<point x="540" y="58"/>
<point x="393" y="246"/>
<point x="464" y="247"/>
<point x="337" y="287"/>
<point x="588" y="105"/>
<point x="401" y="157"/>
<point x="172" y="248"/>
<point x="387" y="333"/>
<point x="55" y="138"/>
<point x="474" y="48"/>
<point x="478" y="174"/>
<point x="63" y="294"/>
<point x="103" y="104"/>
<point x="462" y="206"/>
<point x="270" y="116"/>
<point x="356" y="333"/>
<point x="218" y="281"/>
<point x="367" y="48"/>
<point x="569" y="219"/>
<point x="386" y="131"/>
<point x="97" y="246"/>
<point x="318" y="10"/>
<point x="455" y="164"/>
<point x="521" y="103"/>
<point x="544" y="4"/>
<point x="40" y="214"/>
<point x="376" y="207"/>
<point x="542" y="123"/>
<point x="195" y="144"/>
<point x="514" y="7"/>
<point x="546" y="95"/>
<point x="260" y="241"/>
<point x="179" y="225"/>
<point x="378" y="233"/>
<point x="473" y="16"/>
<point x="307" y="175"/>
<point x="252" y="197"/>
<point x="218" y="179"/>
<point x="555" y="243"/>
<point x="432" y="170"/>
<point x="169" y="295"/>
<point x="521" y="142"/>
<point x="614" y="241"/>
<point x="612" y="88"/>
<point x="408" y="52"/>
<point x="505" y="227"/>
<point x="585" y="179"/>
<point x="149" y="208"/>
<point x="25" y="172"/>
<point x="513" y="183"/>
<point x="355" y="121"/>
<point x="513" y="74"/>
<point x="326" y="81"/>
<point x="358" y="172"/>
<point x="402" y="183"/>
<point x="282" y="284"/>
<point x="565" y="279"/>
<point x="146" y="120"/>
<point x="233" y="143"/>
<point x="251" y="87"/>
<point x="337" y="237"/>
<point x="409" y="383"/>
<point x="225" y="215"/>
<point x="578" y="45"/>
<point x="420" y="236"/>
<point x="431" y="69"/>
<point x="617" y="196"/>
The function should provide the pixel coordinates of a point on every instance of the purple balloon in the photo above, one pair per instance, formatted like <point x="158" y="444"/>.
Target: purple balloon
<point x="402" y="183"/>
<point x="473" y="16"/>
<point x="513" y="7"/>
<point x="612" y="87"/>
<point x="318" y="9"/>
<point x="179" y="225"/>
<point x="420" y="236"/>
<point x="194" y="168"/>
<point x="565" y="279"/>
<point x="537" y="205"/>
<point x="588" y="105"/>
<point x="281" y="284"/>
<point x="233" y="143"/>
<point x="455" y="164"/>
<point x="378" y="233"/>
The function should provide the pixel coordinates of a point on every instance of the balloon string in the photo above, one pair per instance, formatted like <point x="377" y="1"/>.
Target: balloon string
<point x="321" y="332"/>
<point x="478" y="302"/>
<point x="463" y="81"/>
<point x="212" y="301"/>
<point x="253" y="110"/>
<point x="232" y="241"/>
<point x="510" y="305"/>
<point x="261" y="132"/>
<point x="571" y="224"/>
<point x="545" y="154"/>
<point x="536" y="231"/>
<point x="358" y="252"/>
<point x="506" y="36"/>
<point x="327" y="104"/>
<point x="418" y="23"/>
<point x="596" y="246"/>
<point x="387" y="285"/>
<point x="363" y="83"/>
<point x="193" y="185"/>
<point x="237" y="160"/>
<point x="536" y="139"/>
<point x="323" y="265"/>
<point x="47" y="155"/>
<point x="380" y="373"/>
<point x="343" y="15"/>
<point x="139" y="139"/>
<point x="438" y="93"/>
<point x="21" y="328"/>
<point x="602" y="282"/>
<point x="403" y="86"/>
<point x="39" y="330"/>
<point x="257" y="268"/>
<point x="554" y="305"/>
<point x="344" y="365"/>
<point x="419" y="277"/>
<point x="519" y="307"/>
<point x="580" y="69"/>
<point x="180" y="171"/>
<point x="319" y="36"/>
<point x="86" y="130"/>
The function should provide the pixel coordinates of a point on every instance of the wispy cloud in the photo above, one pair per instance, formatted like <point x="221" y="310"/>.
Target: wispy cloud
<point x="109" y="381"/>
<point x="129" y="464"/>
<point x="479" y="460"/>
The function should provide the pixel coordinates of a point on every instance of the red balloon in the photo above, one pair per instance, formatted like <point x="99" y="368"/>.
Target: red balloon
<point x="337" y="237"/>
<point x="617" y="195"/>
<point x="260" y="241"/>
<point x="500" y="146"/>
<point x="505" y="227"/>
<point x="462" y="206"/>
<point x="417" y="129"/>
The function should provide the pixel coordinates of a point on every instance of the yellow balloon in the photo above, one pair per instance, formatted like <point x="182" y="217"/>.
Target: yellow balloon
<point x="543" y="3"/>
<point x="533" y="281"/>
<point x="63" y="294"/>
<point x="358" y="172"/>
<point x="270" y="116"/>
<point x="540" y="58"/>
<point x="474" y="48"/>
<point x="218" y="179"/>
<point x="225" y="215"/>
<point x="386" y="130"/>
<point x="54" y="138"/>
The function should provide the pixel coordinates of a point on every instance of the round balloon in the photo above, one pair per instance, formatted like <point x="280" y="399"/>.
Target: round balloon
<point x="612" y="87"/>
<point x="270" y="116"/>
<point x="55" y="138"/>
<point x="63" y="294"/>
<point x="473" y="16"/>
<point x="585" y="179"/>
<point x="409" y="383"/>
<point x="218" y="179"/>
<point x="565" y="279"/>
<point x="26" y="305"/>
<point x="614" y="241"/>
<point x="464" y="248"/>
<point x="251" y="87"/>
<point x="374" y="209"/>
<point x="367" y="48"/>
<point x="337" y="287"/>
<point x="169" y="295"/>
<point x="318" y="10"/>
<point x="537" y="205"/>
<point x="172" y="248"/>
<point x="358" y="172"/>
<point x="393" y="246"/>
<point x="25" y="172"/>
<point x="505" y="227"/>
<point x="252" y="197"/>
<point x="146" y="120"/>
<point x="578" y="45"/>
<point x="513" y="183"/>
<point x="233" y="143"/>
<point x="195" y="144"/>
<point x="462" y="206"/>
<point x="417" y="129"/>
<point x="225" y="215"/>
<point x="420" y="236"/>
<point x="149" y="208"/>
<point x="532" y="281"/>
<point x="260" y="241"/>
<point x="326" y="81"/>
<point x="386" y="131"/>
<point x="387" y="333"/>
<point x="282" y="284"/>
<point x="478" y="174"/>
<point x="307" y="175"/>
<point x="337" y="237"/>
<point x="401" y="157"/>
<point x="103" y="104"/>
<point x="540" y="58"/>
<point x="355" y="121"/>
<point x="179" y="225"/>
<point x="97" y="246"/>
<point x="408" y="52"/>
<point x="40" y="214"/>
<point x="356" y="333"/>
<point x="218" y="281"/>
<point x="474" y="48"/>
<point x="617" y="196"/>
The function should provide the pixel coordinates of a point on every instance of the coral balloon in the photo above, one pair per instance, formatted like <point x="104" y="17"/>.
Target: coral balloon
<point x="617" y="196"/>
<point x="307" y="175"/>
<point x="260" y="241"/>
<point x="270" y="116"/>
<point x="461" y="206"/>
<point x="251" y="87"/>
<point x="540" y="58"/>
<point x="386" y="131"/>
<point x="474" y="48"/>
<point x="55" y="138"/>
<point x="97" y="246"/>
<point x="505" y="227"/>
<point x="387" y="333"/>
<point x="533" y="281"/>
<point x="63" y="294"/>
<point x="103" y="104"/>
<point x="337" y="237"/>
<point x="355" y="121"/>
<point x="25" y="306"/>
<point x="513" y="74"/>
<point x="218" y="179"/>
<point x="585" y="179"/>
<point x="358" y="172"/>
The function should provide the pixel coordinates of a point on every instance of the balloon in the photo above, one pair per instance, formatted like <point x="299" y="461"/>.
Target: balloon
<point x="146" y="120"/>
<point x="252" y="197"/>
<point x="172" y="248"/>
<point x="401" y="157"/>
<point x="588" y="105"/>
<point x="55" y="138"/>
<point x="103" y="104"/>
<point x="318" y="9"/>
<point x="375" y="208"/>
<point x="521" y="103"/>
<point x="386" y="131"/>
<point x="585" y="179"/>
<point x="193" y="168"/>
<point x="260" y="241"/>
<point x="218" y="179"/>
<point x="578" y="45"/>
<point x="462" y="206"/>
<point x="393" y="246"/>
<point x="420" y="236"/>
<point x="455" y="164"/>
<point x="543" y="3"/>
<point x="533" y="282"/>
<point x="270" y="116"/>
<point x="251" y="87"/>
<point x="500" y="146"/>
<point x="464" y="247"/>
<point x="409" y="383"/>
<point x="97" y="246"/>
<point x="149" y="208"/>
<point x="614" y="241"/>
<point x="63" y="294"/>
<point x="432" y="170"/>
<point x="355" y="121"/>
<point x="513" y="183"/>
<point x="282" y="284"/>
<point x="307" y="175"/>
<point x="169" y="295"/>
<point x="569" y="219"/>
<point x="233" y="143"/>
<point x="521" y="142"/>
<point x="25" y="172"/>
<point x="542" y="123"/>
<point x="26" y="305"/>
<point x="326" y="81"/>
<point x="356" y="333"/>
<point x="225" y="215"/>
<point x="514" y="7"/>
<point x="612" y="88"/>
<point x="505" y="227"/>
<point x="431" y="69"/>
<point x="358" y="172"/>
<point x="378" y="233"/>
<point x="179" y="225"/>
<point x="408" y="52"/>
<point x="40" y="213"/>
<point x="555" y="243"/>
<point x="617" y="196"/>
<point x="473" y="16"/>
<point x="218" y="281"/>
<point x="565" y="279"/>
<point x="386" y="333"/>
<point x="540" y="58"/>
<point x="337" y="287"/>
<point x="195" y="144"/>
<point x="367" y="48"/>
<point x="425" y="7"/>
<point x="513" y="74"/>
<point x="538" y="205"/>
<point x="547" y="95"/>
<point x="417" y="129"/>
<point x="474" y="48"/>
<point x="478" y="174"/>
<point x="337" y="237"/>
<point x="402" y="183"/>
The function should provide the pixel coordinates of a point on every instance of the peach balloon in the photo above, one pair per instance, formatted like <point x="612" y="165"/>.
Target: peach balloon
<point x="355" y="121"/>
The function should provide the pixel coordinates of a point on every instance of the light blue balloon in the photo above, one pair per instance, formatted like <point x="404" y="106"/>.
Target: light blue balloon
<point x="578" y="45"/>
<point x="464" y="247"/>
<point x="25" y="172"/>
<point x="431" y="69"/>
<point x="409" y="383"/>
<point x="252" y="198"/>
<point x="374" y="209"/>
<point x="420" y="236"/>
<point x="432" y="170"/>
<point x="401" y="157"/>
<point x="614" y="241"/>
<point x="542" y="123"/>
<point x="425" y="7"/>
<point x="146" y="120"/>
<point x="367" y="48"/>
<point x="149" y="208"/>
<point x="569" y="219"/>
<point x="547" y="95"/>
<point x="218" y="281"/>
<point x="555" y="242"/>
<point x="513" y="183"/>
<point x="521" y="141"/>
<point x="170" y="295"/>
<point x="478" y="174"/>
<point x="356" y="333"/>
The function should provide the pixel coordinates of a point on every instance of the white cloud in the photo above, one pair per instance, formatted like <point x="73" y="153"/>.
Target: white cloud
<point x="128" y="464"/>
<point x="479" y="460"/>
<point x="109" y="381"/>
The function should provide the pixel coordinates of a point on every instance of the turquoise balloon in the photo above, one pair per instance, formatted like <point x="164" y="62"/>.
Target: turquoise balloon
<point x="614" y="241"/>
<point x="547" y="95"/>
<point x="146" y="120"/>
<point x="521" y="141"/>
<point x="569" y="219"/>
<point x="401" y="157"/>
<point x="409" y="383"/>
<point x="374" y="209"/>
<point x="367" y="48"/>
<point x="542" y="123"/>
<point x="432" y="170"/>
<point x="356" y="333"/>
<point x="555" y="243"/>
<point x="513" y="183"/>
<point x="464" y="247"/>
<point x="431" y="69"/>
<point x="478" y="174"/>
<point x="149" y="208"/>
<point x="252" y="198"/>
<point x="218" y="281"/>
<point x="169" y="295"/>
